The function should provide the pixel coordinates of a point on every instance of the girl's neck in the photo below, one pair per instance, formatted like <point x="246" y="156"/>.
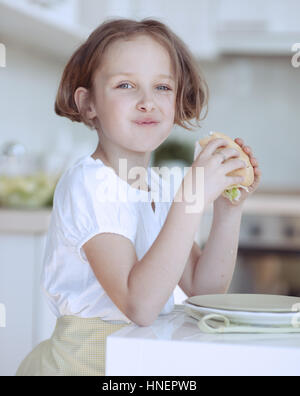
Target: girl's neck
<point x="117" y="163"/>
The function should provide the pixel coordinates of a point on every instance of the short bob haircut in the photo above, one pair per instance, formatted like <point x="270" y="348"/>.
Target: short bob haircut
<point x="191" y="87"/>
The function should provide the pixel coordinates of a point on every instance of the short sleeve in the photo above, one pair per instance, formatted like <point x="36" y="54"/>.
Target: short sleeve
<point x="84" y="207"/>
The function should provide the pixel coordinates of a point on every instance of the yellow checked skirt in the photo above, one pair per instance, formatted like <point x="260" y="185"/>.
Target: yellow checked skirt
<point x="77" y="347"/>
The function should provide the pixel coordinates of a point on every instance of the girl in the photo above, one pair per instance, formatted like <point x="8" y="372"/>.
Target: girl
<point x="110" y="262"/>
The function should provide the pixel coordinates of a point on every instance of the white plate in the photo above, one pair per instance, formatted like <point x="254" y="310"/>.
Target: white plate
<point x="255" y="309"/>
<point x="247" y="302"/>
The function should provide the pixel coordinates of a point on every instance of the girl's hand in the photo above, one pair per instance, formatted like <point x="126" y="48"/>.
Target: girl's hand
<point x="215" y="171"/>
<point x="224" y="202"/>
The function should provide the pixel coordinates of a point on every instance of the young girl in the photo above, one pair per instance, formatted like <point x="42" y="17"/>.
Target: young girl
<point x="110" y="262"/>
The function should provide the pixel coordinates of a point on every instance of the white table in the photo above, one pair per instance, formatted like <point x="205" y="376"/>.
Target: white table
<point x="174" y="345"/>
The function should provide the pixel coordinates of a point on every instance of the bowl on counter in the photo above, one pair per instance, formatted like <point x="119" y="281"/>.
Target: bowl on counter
<point x="27" y="191"/>
<point x="26" y="180"/>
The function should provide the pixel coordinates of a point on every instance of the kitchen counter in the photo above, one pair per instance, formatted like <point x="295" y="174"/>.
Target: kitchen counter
<point x="273" y="204"/>
<point x="174" y="345"/>
<point x="25" y="221"/>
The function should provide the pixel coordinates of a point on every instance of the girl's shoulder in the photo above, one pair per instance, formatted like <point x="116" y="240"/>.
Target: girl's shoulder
<point x="79" y="175"/>
<point x="83" y="204"/>
<point x="88" y="178"/>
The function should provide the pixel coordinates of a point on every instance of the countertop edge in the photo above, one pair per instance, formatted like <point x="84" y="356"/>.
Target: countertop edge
<point x="25" y="221"/>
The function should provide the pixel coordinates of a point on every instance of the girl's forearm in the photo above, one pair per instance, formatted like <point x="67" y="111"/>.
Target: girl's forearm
<point x="154" y="277"/>
<point x="215" y="267"/>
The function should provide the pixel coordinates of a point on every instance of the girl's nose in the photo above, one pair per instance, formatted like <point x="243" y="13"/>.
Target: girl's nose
<point x="146" y="105"/>
<point x="146" y="102"/>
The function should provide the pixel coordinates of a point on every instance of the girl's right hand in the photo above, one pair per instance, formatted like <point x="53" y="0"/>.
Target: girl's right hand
<point x="216" y="167"/>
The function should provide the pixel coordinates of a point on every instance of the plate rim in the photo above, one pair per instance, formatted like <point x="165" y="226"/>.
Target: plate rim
<point x="244" y="310"/>
<point x="242" y="313"/>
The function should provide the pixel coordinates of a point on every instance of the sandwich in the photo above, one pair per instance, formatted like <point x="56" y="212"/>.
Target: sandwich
<point x="232" y="192"/>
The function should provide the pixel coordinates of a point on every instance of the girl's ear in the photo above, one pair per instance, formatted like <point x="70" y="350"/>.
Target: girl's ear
<point x="83" y="103"/>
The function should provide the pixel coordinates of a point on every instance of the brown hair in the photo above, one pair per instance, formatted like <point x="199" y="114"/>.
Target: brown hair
<point x="191" y="87"/>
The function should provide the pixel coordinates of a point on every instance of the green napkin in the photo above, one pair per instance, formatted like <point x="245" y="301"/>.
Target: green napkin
<point x="216" y="323"/>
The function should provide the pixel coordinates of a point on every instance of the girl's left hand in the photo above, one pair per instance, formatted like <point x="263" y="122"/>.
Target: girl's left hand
<point x="244" y="194"/>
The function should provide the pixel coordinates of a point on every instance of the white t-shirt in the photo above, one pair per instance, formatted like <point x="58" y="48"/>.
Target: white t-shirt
<point x="84" y="206"/>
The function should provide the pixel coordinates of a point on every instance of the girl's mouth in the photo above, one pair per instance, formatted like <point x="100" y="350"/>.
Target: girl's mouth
<point x="146" y="123"/>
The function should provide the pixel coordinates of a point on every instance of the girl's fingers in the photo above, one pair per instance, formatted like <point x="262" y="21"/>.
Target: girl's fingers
<point x="248" y="151"/>
<point x="239" y="141"/>
<point x="257" y="171"/>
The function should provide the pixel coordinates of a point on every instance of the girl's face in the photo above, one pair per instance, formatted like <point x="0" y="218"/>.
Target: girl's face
<point x="122" y="99"/>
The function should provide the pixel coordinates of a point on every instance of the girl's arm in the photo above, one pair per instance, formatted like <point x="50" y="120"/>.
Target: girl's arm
<point x="152" y="279"/>
<point x="224" y="233"/>
<point x="141" y="288"/>
<point x="214" y="269"/>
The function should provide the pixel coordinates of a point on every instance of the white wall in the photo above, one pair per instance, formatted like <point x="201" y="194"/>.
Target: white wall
<point x="256" y="98"/>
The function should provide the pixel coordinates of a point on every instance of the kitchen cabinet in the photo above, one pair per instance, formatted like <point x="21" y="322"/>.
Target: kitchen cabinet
<point x="193" y="21"/>
<point x="266" y="27"/>
<point x="93" y="12"/>
<point x="271" y="15"/>
<point x="209" y="27"/>
<point x="28" y="318"/>
<point x="58" y="11"/>
<point x="51" y="30"/>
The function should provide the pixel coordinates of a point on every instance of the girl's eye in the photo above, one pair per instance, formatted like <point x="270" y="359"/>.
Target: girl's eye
<point x="122" y="85"/>
<point x="167" y="88"/>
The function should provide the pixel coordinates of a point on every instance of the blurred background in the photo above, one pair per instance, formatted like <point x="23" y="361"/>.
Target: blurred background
<point x="249" y="52"/>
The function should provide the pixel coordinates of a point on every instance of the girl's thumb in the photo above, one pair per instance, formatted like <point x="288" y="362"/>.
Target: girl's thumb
<point x="197" y="149"/>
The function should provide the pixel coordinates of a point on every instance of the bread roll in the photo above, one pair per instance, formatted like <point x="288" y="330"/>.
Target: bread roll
<point x="232" y="192"/>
